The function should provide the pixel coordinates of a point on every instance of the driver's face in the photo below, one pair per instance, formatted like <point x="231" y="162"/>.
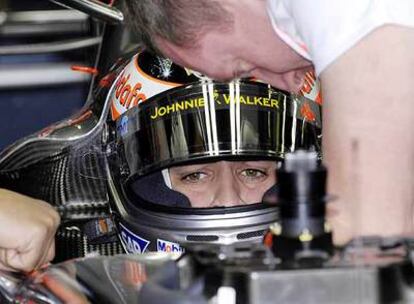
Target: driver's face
<point x="224" y="183"/>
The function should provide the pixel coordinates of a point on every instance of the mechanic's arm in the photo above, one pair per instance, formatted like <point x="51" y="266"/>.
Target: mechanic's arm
<point x="27" y="232"/>
<point x="368" y="134"/>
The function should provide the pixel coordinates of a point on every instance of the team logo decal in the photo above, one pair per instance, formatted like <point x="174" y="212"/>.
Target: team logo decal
<point x="128" y="93"/>
<point x="132" y="242"/>
<point x="166" y="246"/>
<point x="134" y="86"/>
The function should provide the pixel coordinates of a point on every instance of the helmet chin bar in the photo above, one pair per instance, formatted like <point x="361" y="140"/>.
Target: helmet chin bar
<point x="183" y="225"/>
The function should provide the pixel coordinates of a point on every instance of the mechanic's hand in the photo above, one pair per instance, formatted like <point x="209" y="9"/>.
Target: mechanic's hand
<point x="27" y="232"/>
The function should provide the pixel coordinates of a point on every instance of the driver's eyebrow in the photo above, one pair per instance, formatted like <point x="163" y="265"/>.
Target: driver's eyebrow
<point x="259" y="163"/>
<point x="187" y="168"/>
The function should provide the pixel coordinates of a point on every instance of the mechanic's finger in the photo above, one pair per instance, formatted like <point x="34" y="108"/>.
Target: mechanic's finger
<point x="24" y="261"/>
<point x="31" y="255"/>
<point x="4" y="263"/>
<point x="47" y="247"/>
<point x="49" y="254"/>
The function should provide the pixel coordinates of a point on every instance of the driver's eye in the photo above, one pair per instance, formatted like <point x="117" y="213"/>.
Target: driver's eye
<point x="252" y="173"/>
<point x="194" y="177"/>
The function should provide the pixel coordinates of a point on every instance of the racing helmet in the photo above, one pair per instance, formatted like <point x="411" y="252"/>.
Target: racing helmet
<point x="190" y="120"/>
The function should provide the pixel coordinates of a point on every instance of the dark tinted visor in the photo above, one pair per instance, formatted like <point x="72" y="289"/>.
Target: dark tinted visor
<point x="207" y="121"/>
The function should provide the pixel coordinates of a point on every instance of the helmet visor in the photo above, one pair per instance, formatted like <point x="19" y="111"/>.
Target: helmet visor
<point x="207" y="121"/>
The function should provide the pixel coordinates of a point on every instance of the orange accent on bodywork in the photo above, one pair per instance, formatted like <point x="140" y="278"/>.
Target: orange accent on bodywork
<point x="268" y="239"/>
<point x="67" y="295"/>
<point x="78" y="119"/>
<point x="106" y="81"/>
<point x="85" y="69"/>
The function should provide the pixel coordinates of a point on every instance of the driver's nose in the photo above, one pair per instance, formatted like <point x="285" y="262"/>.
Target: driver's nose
<point x="227" y="193"/>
